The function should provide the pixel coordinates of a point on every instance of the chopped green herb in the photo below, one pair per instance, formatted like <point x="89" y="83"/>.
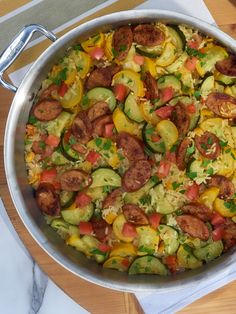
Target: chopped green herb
<point x="195" y="53"/>
<point x="223" y="144"/>
<point x="187" y="248"/>
<point x="202" y="63"/>
<point x="98" y="141"/>
<point x="233" y="156"/>
<point x="190" y="150"/>
<point x="154" y="179"/>
<point x="174" y="148"/>
<point x="77" y="47"/>
<point x="197" y="94"/>
<point x="85" y="101"/>
<point x="178" y="212"/>
<point x="28" y="142"/>
<point x="32" y="120"/>
<point x="107" y="145"/>
<point x="210" y="171"/>
<point x="182" y="191"/>
<point x="61" y="76"/>
<point x="122" y="48"/>
<point x="228" y="150"/>
<point x="204" y="146"/>
<point x="145" y="199"/>
<point x="178" y="75"/>
<point x="42" y="144"/>
<point x="79" y="68"/>
<point x="145" y="249"/>
<point x="205" y="163"/>
<point x="175" y="185"/>
<point x="163" y="146"/>
<point x="191" y="175"/>
<point x="106" y="189"/>
<point x="120" y="156"/>
<point x="230" y="205"/>
<point x="72" y="140"/>
<point x="151" y="110"/>
<point x="114" y="52"/>
<point x="150" y="130"/>
<point x="97" y="252"/>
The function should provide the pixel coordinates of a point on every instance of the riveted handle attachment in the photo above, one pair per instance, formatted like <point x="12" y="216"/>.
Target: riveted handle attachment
<point x="16" y="46"/>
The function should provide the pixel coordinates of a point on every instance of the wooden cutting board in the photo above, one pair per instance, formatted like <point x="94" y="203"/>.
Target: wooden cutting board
<point x="94" y="298"/>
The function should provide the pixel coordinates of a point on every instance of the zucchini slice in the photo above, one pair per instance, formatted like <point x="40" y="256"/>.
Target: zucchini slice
<point x="68" y="152"/>
<point x="168" y="132"/>
<point x="56" y="126"/>
<point x="104" y="177"/>
<point x="151" y="52"/>
<point x="210" y="251"/>
<point x="178" y="64"/>
<point x="170" y="238"/>
<point x="224" y="79"/>
<point x="58" y="159"/>
<point x="148" y="265"/>
<point x="102" y="94"/>
<point x="207" y="86"/>
<point x="177" y="37"/>
<point x="169" y="81"/>
<point x="186" y="258"/>
<point x="148" y="240"/>
<point x="155" y="147"/>
<point x="132" y="109"/>
<point x="63" y="228"/>
<point x="163" y="206"/>
<point x="77" y="214"/>
<point x="66" y="198"/>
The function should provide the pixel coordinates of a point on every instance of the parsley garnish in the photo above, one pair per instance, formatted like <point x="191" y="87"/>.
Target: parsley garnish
<point x="210" y="171"/>
<point x="230" y="205"/>
<point x="98" y="141"/>
<point x="122" y="48"/>
<point x="77" y="47"/>
<point x="205" y="163"/>
<point x="174" y="148"/>
<point x="223" y="144"/>
<point x="61" y="76"/>
<point x="32" y="120"/>
<point x="107" y="145"/>
<point x="175" y="185"/>
<point x="85" y="101"/>
<point x="154" y="179"/>
<point x="191" y="175"/>
<point x="190" y="150"/>
<point x="195" y="53"/>
<point x="145" y="199"/>
<point x="150" y="130"/>
<point x="114" y="52"/>
<point x="197" y="94"/>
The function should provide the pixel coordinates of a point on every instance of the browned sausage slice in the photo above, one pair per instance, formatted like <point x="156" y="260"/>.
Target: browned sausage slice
<point x="47" y="93"/>
<point x="193" y="226"/>
<point x="229" y="230"/>
<point x="47" y="109"/>
<point x="101" y="77"/>
<point x="81" y="127"/>
<point x="148" y="35"/>
<point x="222" y="104"/>
<point x="151" y="87"/>
<point x="227" y="66"/>
<point x="208" y="145"/>
<point x="136" y="176"/>
<point x="134" y="214"/>
<point x="75" y="180"/>
<point x="227" y="188"/>
<point x="99" y="124"/>
<point x="122" y="41"/>
<point x="180" y="118"/>
<point x="131" y="146"/>
<point x="199" y="210"/>
<point x="101" y="229"/>
<point x="47" y="199"/>
<point x="181" y="153"/>
<point x="99" y="109"/>
<point x="111" y="198"/>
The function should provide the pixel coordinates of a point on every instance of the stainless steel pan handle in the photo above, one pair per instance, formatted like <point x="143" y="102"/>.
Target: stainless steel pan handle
<point x="16" y="46"/>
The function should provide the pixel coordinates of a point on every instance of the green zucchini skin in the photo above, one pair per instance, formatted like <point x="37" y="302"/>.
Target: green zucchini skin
<point x="155" y="147"/>
<point x="132" y="110"/>
<point x="66" y="198"/>
<point x="148" y="265"/>
<point x="102" y="94"/>
<point x="180" y="39"/>
<point x="105" y="177"/>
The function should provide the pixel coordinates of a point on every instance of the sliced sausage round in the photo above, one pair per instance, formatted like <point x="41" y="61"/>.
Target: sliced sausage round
<point x="47" y="199"/>
<point x="101" y="229"/>
<point x="182" y="152"/>
<point x="131" y="146"/>
<point x="151" y="86"/>
<point x="226" y="186"/>
<point x="199" y="210"/>
<point x="222" y="104"/>
<point x="208" y="145"/>
<point x="136" y="176"/>
<point x="229" y="230"/>
<point x="75" y="180"/>
<point x="99" y="109"/>
<point x="122" y="41"/>
<point x="81" y="127"/>
<point x="47" y="93"/>
<point x="180" y="118"/>
<point x="148" y="35"/>
<point x="101" y="77"/>
<point x="99" y="124"/>
<point x="47" y="109"/>
<point x="134" y="214"/>
<point x="227" y="66"/>
<point x="111" y="198"/>
<point x="193" y="226"/>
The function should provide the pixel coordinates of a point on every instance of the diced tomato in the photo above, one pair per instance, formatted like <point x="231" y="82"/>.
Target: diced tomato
<point x="97" y="53"/>
<point x="129" y="230"/>
<point x="154" y="220"/>
<point x="192" y="191"/>
<point x="52" y="140"/>
<point x="155" y="138"/>
<point x="82" y="199"/>
<point x="164" y="112"/>
<point x="170" y="156"/>
<point x="167" y="93"/>
<point x="218" y="233"/>
<point x="108" y="130"/>
<point x="125" y="262"/>
<point x="217" y="219"/>
<point x="192" y="44"/>
<point x="93" y="157"/>
<point x="139" y="59"/>
<point x="48" y="175"/>
<point x="120" y="91"/>
<point x="190" y="63"/>
<point x="191" y="108"/>
<point x="171" y="262"/>
<point x="104" y="247"/>
<point x="163" y="169"/>
<point x="62" y="89"/>
<point x="85" y="227"/>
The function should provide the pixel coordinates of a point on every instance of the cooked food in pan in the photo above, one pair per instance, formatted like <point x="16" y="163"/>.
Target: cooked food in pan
<point x="131" y="148"/>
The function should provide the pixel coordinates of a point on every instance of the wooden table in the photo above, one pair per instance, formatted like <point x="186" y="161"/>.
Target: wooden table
<point x="95" y="299"/>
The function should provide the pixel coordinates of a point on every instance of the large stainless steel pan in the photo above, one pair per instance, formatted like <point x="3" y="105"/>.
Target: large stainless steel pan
<point x="20" y="190"/>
